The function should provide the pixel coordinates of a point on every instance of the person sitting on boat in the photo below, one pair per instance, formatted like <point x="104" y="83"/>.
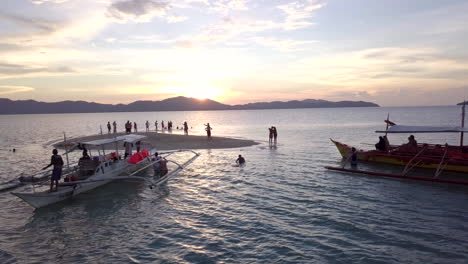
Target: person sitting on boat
<point x="156" y="165"/>
<point x="412" y="141"/>
<point x="85" y="155"/>
<point x="240" y="160"/>
<point x="128" y="149"/>
<point x="56" y="161"/>
<point x="86" y="165"/>
<point x="381" y="144"/>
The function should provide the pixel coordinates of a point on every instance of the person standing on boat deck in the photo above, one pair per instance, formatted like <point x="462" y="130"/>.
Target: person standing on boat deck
<point x="128" y="149"/>
<point x="147" y="126"/>
<point x="156" y="126"/>
<point x="135" y="127"/>
<point x="162" y="125"/>
<point x="114" y="124"/>
<point x="138" y="146"/>
<point x="208" y="130"/>
<point x="56" y="161"/>
<point x="381" y="145"/>
<point x="275" y="134"/>
<point x="185" y="128"/>
<point x="240" y="160"/>
<point x="108" y="127"/>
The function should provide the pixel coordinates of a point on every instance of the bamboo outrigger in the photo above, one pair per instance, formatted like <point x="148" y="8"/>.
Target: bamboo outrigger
<point x="102" y="170"/>
<point x="439" y="158"/>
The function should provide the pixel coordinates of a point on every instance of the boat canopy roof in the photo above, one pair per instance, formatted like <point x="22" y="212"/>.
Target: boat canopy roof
<point x="132" y="138"/>
<point x="422" y="129"/>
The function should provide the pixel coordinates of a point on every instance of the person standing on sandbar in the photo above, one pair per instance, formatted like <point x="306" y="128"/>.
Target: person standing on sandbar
<point x="270" y="135"/>
<point x="185" y="128"/>
<point x="275" y="134"/>
<point x="208" y="130"/>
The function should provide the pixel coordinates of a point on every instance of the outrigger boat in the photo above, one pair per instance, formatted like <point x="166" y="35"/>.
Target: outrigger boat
<point x="100" y="170"/>
<point x="440" y="158"/>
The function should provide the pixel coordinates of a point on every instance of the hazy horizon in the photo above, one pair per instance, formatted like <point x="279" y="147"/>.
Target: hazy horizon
<point x="390" y="52"/>
<point x="116" y="103"/>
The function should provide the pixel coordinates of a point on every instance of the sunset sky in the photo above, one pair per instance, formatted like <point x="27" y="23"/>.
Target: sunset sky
<point x="391" y="52"/>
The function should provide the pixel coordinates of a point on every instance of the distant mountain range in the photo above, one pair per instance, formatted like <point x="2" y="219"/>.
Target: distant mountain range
<point x="180" y="103"/>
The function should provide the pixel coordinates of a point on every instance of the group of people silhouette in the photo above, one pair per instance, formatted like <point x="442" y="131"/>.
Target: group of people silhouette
<point x="132" y="126"/>
<point x="273" y="135"/>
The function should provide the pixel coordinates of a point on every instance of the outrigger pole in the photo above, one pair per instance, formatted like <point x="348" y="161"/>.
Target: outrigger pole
<point x="388" y="119"/>
<point x="462" y="123"/>
<point x="66" y="149"/>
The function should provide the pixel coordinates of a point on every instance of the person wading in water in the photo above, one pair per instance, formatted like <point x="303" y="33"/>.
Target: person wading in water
<point x="240" y="160"/>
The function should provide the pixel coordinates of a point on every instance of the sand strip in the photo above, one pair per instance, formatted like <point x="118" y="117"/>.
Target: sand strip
<point x="168" y="141"/>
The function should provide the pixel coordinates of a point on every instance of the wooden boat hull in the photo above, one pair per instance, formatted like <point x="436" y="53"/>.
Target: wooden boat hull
<point x="456" y="165"/>
<point x="41" y="199"/>
<point x="68" y="190"/>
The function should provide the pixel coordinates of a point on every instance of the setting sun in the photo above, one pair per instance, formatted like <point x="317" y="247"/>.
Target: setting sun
<point x="203" y="91"/>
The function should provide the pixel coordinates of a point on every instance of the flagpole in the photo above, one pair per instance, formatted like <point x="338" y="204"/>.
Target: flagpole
<point x="388" y="119"/>
<point x="462" y="123"/>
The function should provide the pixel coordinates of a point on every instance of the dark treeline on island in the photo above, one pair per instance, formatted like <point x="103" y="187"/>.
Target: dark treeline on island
<point x="180" y="103"/>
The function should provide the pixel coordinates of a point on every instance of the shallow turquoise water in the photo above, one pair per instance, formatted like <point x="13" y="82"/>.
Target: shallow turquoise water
<point x="283" y="207"/>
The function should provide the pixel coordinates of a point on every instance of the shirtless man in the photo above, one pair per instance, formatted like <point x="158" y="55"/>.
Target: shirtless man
<point x="56" y="161"/>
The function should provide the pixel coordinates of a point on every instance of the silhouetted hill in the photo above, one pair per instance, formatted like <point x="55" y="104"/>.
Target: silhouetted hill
<point x="180" y="103"/>
<point x="308" y="103"/>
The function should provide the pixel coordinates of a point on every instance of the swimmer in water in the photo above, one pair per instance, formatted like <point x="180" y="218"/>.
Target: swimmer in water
<point x="240" y="160"/>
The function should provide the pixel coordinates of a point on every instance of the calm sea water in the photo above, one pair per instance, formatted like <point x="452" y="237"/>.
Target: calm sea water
<point x="283" y="207"/>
